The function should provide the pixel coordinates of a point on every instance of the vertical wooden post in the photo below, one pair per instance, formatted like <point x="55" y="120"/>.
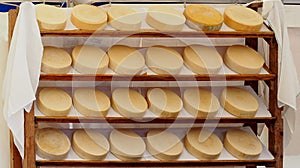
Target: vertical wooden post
<point x="15" y="158"/>
<point x="29" y="145"/>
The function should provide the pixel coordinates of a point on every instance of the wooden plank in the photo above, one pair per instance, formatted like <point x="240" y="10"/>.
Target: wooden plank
<point x="29" y="145"/>
<point x="15" y="157"/>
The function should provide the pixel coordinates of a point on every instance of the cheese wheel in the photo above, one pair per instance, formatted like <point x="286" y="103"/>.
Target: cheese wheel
<point x="126" y="145"/>
<point x="239" y="102"/>
<point x="91" y="102"/>
<point x="203" y="144"/>
<point x="125" y="59"/>
<point x="241" y="18"/>
<point x="88" y="17"/>
<point x="202" y="59"/>
<point x="163" y="60"/>
<point x="90" y="144"/>
<point x="203" y="17"/>
<point x="164" y="102"/>
<point x="56" y="61"/>
<point x="242" y="144"/>
<point x="243" y="59"/>
<point x="52" y="144"/>
<point x="54" y="102"/>
<point x="165" y="18"/>
<point x="89" y="59"/>
<point x="129" y="103"/>
<point x="50" y="17"/>
<point x="163" y="145"/>
<point x="124" y="18"/>
<point x="200" y="102"/>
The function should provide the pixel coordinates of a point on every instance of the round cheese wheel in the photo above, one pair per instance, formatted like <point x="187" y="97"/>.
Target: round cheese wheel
<point x="90" y="144"/>
<point x="165" y="18"/>
<point x="88" y="17"/>
<point x="203" y="144"/>
<point x="164" y="102"/>
<point x="203" y="17"/>
<point x="124" y="18"/>
<point x="52" y="143"/>
<point x="89" y="59"/>
<point x="91" y="102"/>
<point x="241" y="18"/>
<point x="163" y="60"/>
<point x="242" y="144"/>
<point x="239" y="102"/>
<point x="125" y="59"/>
<point x="202" y="59"/>
<point x="56" y="61"/>
<point x="200" y="102"/>
<point x="54" y="102"/>
<point x="163" y="145"/>
<point x="129" y="103"/>
<point x="126" y="145"/>
<point x="50" y="17"/>
<point x="243" y="59"/>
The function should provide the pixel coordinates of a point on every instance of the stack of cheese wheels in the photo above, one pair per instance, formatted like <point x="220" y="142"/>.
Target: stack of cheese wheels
<point x="239" y="102"/>
<point x="125" y="59"/>
<point x="241" y="18"/>
<point x="129" y="103"/>
<point x="126" y="145"/>
<point x="124" y="18"/>
<point x="242" y="144"/>
<point x="202" y="17"/>
<point x="54" y="102"/>
<point x="165" y="18"/>
<point x="163" y="145"/>
<point x="200" y="102"/>
<point x="202" y="59"/>
<point x="52" y="143"/>
<point x="163" y="60"/>
<point x="56" y="60"/>
<point x="90" y="144"/>
<point x="91" y="102"/>
<point x="88" y="17"/>
<point x="203" y="144"/>
<point x="50" y="17"/>
<point x="243" y="59"/>
<point x="89" y="59"/>
<point x="164" y="102"/>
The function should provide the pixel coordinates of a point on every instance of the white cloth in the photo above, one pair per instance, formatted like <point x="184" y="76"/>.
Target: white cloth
<point x="22" y="72"/>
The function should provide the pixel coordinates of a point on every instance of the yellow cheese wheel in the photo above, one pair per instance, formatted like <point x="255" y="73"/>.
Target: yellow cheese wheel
<point x="56" y="60"/>
<point x="203" y="17"/>
<point x="88" y="17"/>
<point x="241" y="18"/>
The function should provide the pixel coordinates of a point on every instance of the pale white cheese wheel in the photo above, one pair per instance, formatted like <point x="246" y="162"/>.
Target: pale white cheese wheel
<point x="56" y="60"/>
<point x="88" y="17"/>
<point x="124" y="18"/>
<point x="52" y="143"/>
<point x="50" y="17"/>
<point x="164" y="102"/>
<point x="129" y="103"/>
<point x="163" y="145"/>
<point x="239" y="102"/>
<point x="202" y="59"/>
<point x="165" y="18"/>
<point x="89" y="59"/>
<point x="54" y="102"/>
<point x="243" y="59"/>
<point x="91" y="102"/>
<point x="125" y="59"/>
<point x="242" y="144"/>
<point x="126" y="144"/>
<point x="241" y="18"/>
<point x="90" y="144"/>
<point x="203" y="144"/>
<point x="200" y="102"/>
<point x="164" y="60"/>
